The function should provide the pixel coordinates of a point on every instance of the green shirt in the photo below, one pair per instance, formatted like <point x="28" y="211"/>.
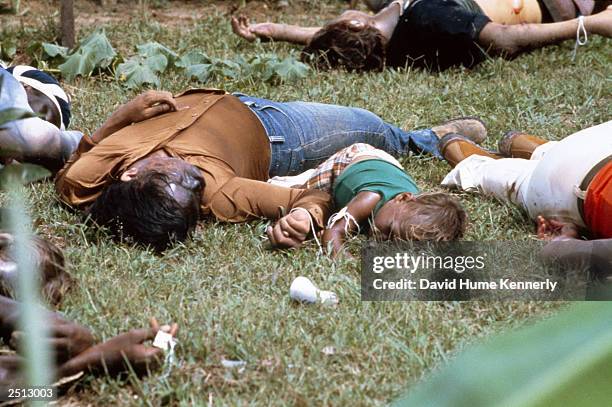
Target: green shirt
<point x="374" y="175"/>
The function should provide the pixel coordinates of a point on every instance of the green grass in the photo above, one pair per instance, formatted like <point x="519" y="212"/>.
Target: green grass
<point x="230" y="295"/>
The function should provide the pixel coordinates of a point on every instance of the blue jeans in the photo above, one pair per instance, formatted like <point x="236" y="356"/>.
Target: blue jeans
<point x="302" y="135"/>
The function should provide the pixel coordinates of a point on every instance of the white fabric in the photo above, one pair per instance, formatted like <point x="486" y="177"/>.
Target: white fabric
<point x="548" y="183"/>
<point x="50" y="90"/>
<point x="292" y="181"/>
<point x="301" y="179"/>
<point x="380" y="154"/>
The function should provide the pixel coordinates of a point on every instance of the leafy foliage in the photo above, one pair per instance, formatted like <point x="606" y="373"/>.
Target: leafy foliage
<point x="95" y="52"/>
<point x="8" y="49"/>
<point x="13" y="113"/>
<point x="266" y="67"/>
<point x="21" y="174"/>
<point x="151" y="60"/>
<point x="566" y="360"/>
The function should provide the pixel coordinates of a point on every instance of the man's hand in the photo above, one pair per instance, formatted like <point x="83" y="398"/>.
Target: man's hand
<point x="113" y="355"/>
<point x="144" y="106"/>
<point x="147" y="105"/>
<point x="549" y="229"/>
<point x="250" y="32"/>
<point x="290" y="230"/>
<point x="66" y="339"/>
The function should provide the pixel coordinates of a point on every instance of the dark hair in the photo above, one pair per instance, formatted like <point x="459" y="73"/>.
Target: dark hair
<point x="143" y="210"/>
<point x="339" y="45"/>
<point x="55" y="281"/>
<point x="447" y="218"/>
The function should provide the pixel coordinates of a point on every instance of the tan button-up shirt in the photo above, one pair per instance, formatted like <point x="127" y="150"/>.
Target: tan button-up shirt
<point x="213" y="131"/>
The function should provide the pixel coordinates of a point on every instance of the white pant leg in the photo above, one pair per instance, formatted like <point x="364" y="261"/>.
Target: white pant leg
<point x="506" y="179"/>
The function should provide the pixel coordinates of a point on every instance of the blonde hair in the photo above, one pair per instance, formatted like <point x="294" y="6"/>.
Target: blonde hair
<point x="446" y="218"/>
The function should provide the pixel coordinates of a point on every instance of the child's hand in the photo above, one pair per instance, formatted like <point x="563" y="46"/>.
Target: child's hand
<point x="291" y="230"/>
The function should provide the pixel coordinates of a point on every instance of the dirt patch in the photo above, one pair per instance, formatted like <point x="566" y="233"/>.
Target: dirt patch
<point x="175" y="13"/>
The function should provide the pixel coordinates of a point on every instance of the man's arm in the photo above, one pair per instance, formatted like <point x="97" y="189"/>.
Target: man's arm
<point x="241" y="199"/>
<point x="145" y="106"/>
<point x="37" y="141"/>
<point x="272" y="31"/>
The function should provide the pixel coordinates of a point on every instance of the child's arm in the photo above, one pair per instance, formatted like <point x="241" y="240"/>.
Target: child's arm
<point x="360" y="208"/>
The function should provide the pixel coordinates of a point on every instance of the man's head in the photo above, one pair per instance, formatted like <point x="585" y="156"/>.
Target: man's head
<point x="155" y="202"/>
<point x="45" y="96"/>
<point x="433" y="216"/>
<point x="48" y="260"/>
<point x="351" y="42"/>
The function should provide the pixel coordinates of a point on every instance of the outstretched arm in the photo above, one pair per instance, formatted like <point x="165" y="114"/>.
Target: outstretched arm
<point x="272" y="31"/>
<point x="360" y="208"/>
<point x="114" y="355"/>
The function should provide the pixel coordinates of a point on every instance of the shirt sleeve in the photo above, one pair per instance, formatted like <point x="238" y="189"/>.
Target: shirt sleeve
<point x="241" y="199"/>
<point x="70" y="181"/>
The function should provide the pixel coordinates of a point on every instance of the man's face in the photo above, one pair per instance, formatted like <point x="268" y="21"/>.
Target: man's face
<point x="43" y="106"/>
<point x="184" y="181"/>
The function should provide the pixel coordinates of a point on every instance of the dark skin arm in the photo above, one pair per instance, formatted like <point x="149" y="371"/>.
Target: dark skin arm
<point x="566" y="246"/>
<point x="144" y="106"/>
<point x="113" y="355"/>
<point x="66" y="338"/>
<point x="360" y="207"/>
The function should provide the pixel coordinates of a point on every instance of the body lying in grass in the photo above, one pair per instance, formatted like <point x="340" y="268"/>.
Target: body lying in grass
<point x="564" y="186"/>
<point x="73" y="345"/>
<point x="370" y="185"/>
<point x="159" y="162"/>
<point x="435" y="34"/>
<point x="74" y="348"/>
<point x="41" y="140"/>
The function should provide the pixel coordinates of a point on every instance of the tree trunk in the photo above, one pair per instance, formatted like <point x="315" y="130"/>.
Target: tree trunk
<point x="67" y="23"/>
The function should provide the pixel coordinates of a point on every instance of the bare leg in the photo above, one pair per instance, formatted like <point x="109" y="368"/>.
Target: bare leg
<point x="511" y="40"/>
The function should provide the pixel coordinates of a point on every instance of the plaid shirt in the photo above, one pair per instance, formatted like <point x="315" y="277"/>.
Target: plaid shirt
<point x="327" y="172"/>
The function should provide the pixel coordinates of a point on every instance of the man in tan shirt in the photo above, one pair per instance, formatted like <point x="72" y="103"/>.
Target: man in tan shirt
<point x="160" y="162"/>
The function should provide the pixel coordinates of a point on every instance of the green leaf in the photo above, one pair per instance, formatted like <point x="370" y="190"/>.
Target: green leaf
<point x="54" y="50"/>
<point x="564" y="361"/>
<point x="95" y="52"/>
<point x="155" y="50"/>
<point x="193" y="58"/>
<point x="22" y="174"/>
<point x="201" y="72"/>
<point x="290" y="69"/>
<point x="7" y="50"/>
<point x="138" y="71"/>
<point x="13" y="113"/>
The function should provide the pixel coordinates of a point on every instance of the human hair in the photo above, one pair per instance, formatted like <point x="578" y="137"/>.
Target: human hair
<point x="445" y="218"/>
<point x="49" y="261"/>
<point x="339" y="45"/>
<point x="143" y="210"/>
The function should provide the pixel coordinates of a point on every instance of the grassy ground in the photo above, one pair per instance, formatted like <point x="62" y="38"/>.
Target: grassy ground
<point x="230" y="295"/>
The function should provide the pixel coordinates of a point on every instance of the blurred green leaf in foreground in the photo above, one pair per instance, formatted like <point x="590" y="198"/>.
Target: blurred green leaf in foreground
<point x="563" y="361"/>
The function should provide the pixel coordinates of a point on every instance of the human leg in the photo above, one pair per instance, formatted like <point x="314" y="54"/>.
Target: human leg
<point x="517" y="144"/>
<point x="302" y="134"/>
<point x="506" y="179"/>
<point x="511" y="40"/>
